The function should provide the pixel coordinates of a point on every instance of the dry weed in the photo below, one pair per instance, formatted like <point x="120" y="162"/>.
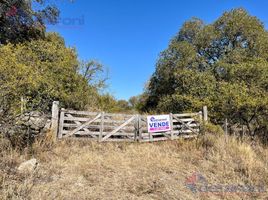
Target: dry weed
<point x="91" y="170"/>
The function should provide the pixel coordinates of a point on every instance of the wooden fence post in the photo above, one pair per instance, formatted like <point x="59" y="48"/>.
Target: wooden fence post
<point x="139" y="128"/>
<point x="55" y="119"/>
<point x="205" y="114"/>
<point x="136" y="127"/>
<point x="226" y="128"/>
<point x="61" y="123"/>
<point x="22" y="105"/>
<point x="171" y="126"/>
<point x="151" y="137"/>
<point x="200" y="116"/>
<point x="101" y="126"/>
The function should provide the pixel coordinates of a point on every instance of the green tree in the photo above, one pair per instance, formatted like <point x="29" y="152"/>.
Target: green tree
<point x="94" y="73"/>
<point x="41" y="71"/>
<point x="222" y="65"/>
<point x="107" y="103"/>
<point x="20" y="22"/>
<point x="123" y="105"/>
<point x="134" y="101"/>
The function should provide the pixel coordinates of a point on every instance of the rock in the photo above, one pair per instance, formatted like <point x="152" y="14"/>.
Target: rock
<point x="28" y="166"/>
<point x="35" y="120"/>
<point x="80" y="182"/>
<point x="33" y="123"/>
<point x="46" y="127"/>
<point x="26" y="127"/>
<point x="35" y="114"/>
<point x="37" y="123"/>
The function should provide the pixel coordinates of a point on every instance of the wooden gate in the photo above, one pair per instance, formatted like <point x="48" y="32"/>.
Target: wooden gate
<point x="182" y="125"/>
<point x="98" y="126"/>
<point x="123" y="127"/>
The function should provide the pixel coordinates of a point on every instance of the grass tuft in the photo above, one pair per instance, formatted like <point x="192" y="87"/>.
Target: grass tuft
<point x="90" y="170"/>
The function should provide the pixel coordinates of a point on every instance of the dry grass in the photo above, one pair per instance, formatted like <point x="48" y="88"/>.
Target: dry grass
<point x="89" y="170"/>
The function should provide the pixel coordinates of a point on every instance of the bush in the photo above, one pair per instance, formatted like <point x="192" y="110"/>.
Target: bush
<point x="36" y="73"/>
<point x="222" y="65"/>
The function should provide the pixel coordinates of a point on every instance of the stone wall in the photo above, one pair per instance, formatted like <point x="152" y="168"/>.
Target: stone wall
<point x="25" y="127"/>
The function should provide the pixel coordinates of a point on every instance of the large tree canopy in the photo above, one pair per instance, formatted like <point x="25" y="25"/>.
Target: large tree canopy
<point x="223" y="65"/>
<point x="20" y="22"/>
<point x="40" y="72"/>
<point x="37" y="68"/>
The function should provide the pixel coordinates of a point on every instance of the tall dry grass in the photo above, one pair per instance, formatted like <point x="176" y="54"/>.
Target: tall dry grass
<point x="90" y="170"/>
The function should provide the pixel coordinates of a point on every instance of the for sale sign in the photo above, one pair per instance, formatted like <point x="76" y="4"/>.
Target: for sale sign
<point x="158" y="123"/>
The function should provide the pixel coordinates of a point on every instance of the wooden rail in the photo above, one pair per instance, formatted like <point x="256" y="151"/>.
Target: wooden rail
<point x="124" y="127"/>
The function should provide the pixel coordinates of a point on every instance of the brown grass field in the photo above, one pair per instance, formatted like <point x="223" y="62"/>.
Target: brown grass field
<point x="91" y="170"/>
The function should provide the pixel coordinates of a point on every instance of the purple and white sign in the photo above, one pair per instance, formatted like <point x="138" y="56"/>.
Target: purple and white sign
<point x="158" y="123"/>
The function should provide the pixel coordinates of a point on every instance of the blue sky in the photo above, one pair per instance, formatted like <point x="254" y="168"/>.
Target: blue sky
<point x="127" y="36"/>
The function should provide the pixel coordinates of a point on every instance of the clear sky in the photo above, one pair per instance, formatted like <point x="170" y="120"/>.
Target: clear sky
<point x="127" y="36"/>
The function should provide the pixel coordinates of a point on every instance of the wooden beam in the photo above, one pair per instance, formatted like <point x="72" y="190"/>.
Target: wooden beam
<point x="118" y="128"/>
<point x="96" y="133"/>
<point x="200" y="116"/>
<point x="151" y="137"/>
<point x="205" y="113"/>
<point x="81" y="112"/>
<point x="61" y="123"/>
<point x="171" y="126"/>
<point x="82" y="126"/>
<point x="186" y="114"/>
<point x="186" y="125"/>
<point x="137" y="127"/>
<point x="55" y="119"/>
<point x="79" y="124"/>
<point x="101" y="126"/>
<point x="140" y="127"/>
<point x="85" y="119"/>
